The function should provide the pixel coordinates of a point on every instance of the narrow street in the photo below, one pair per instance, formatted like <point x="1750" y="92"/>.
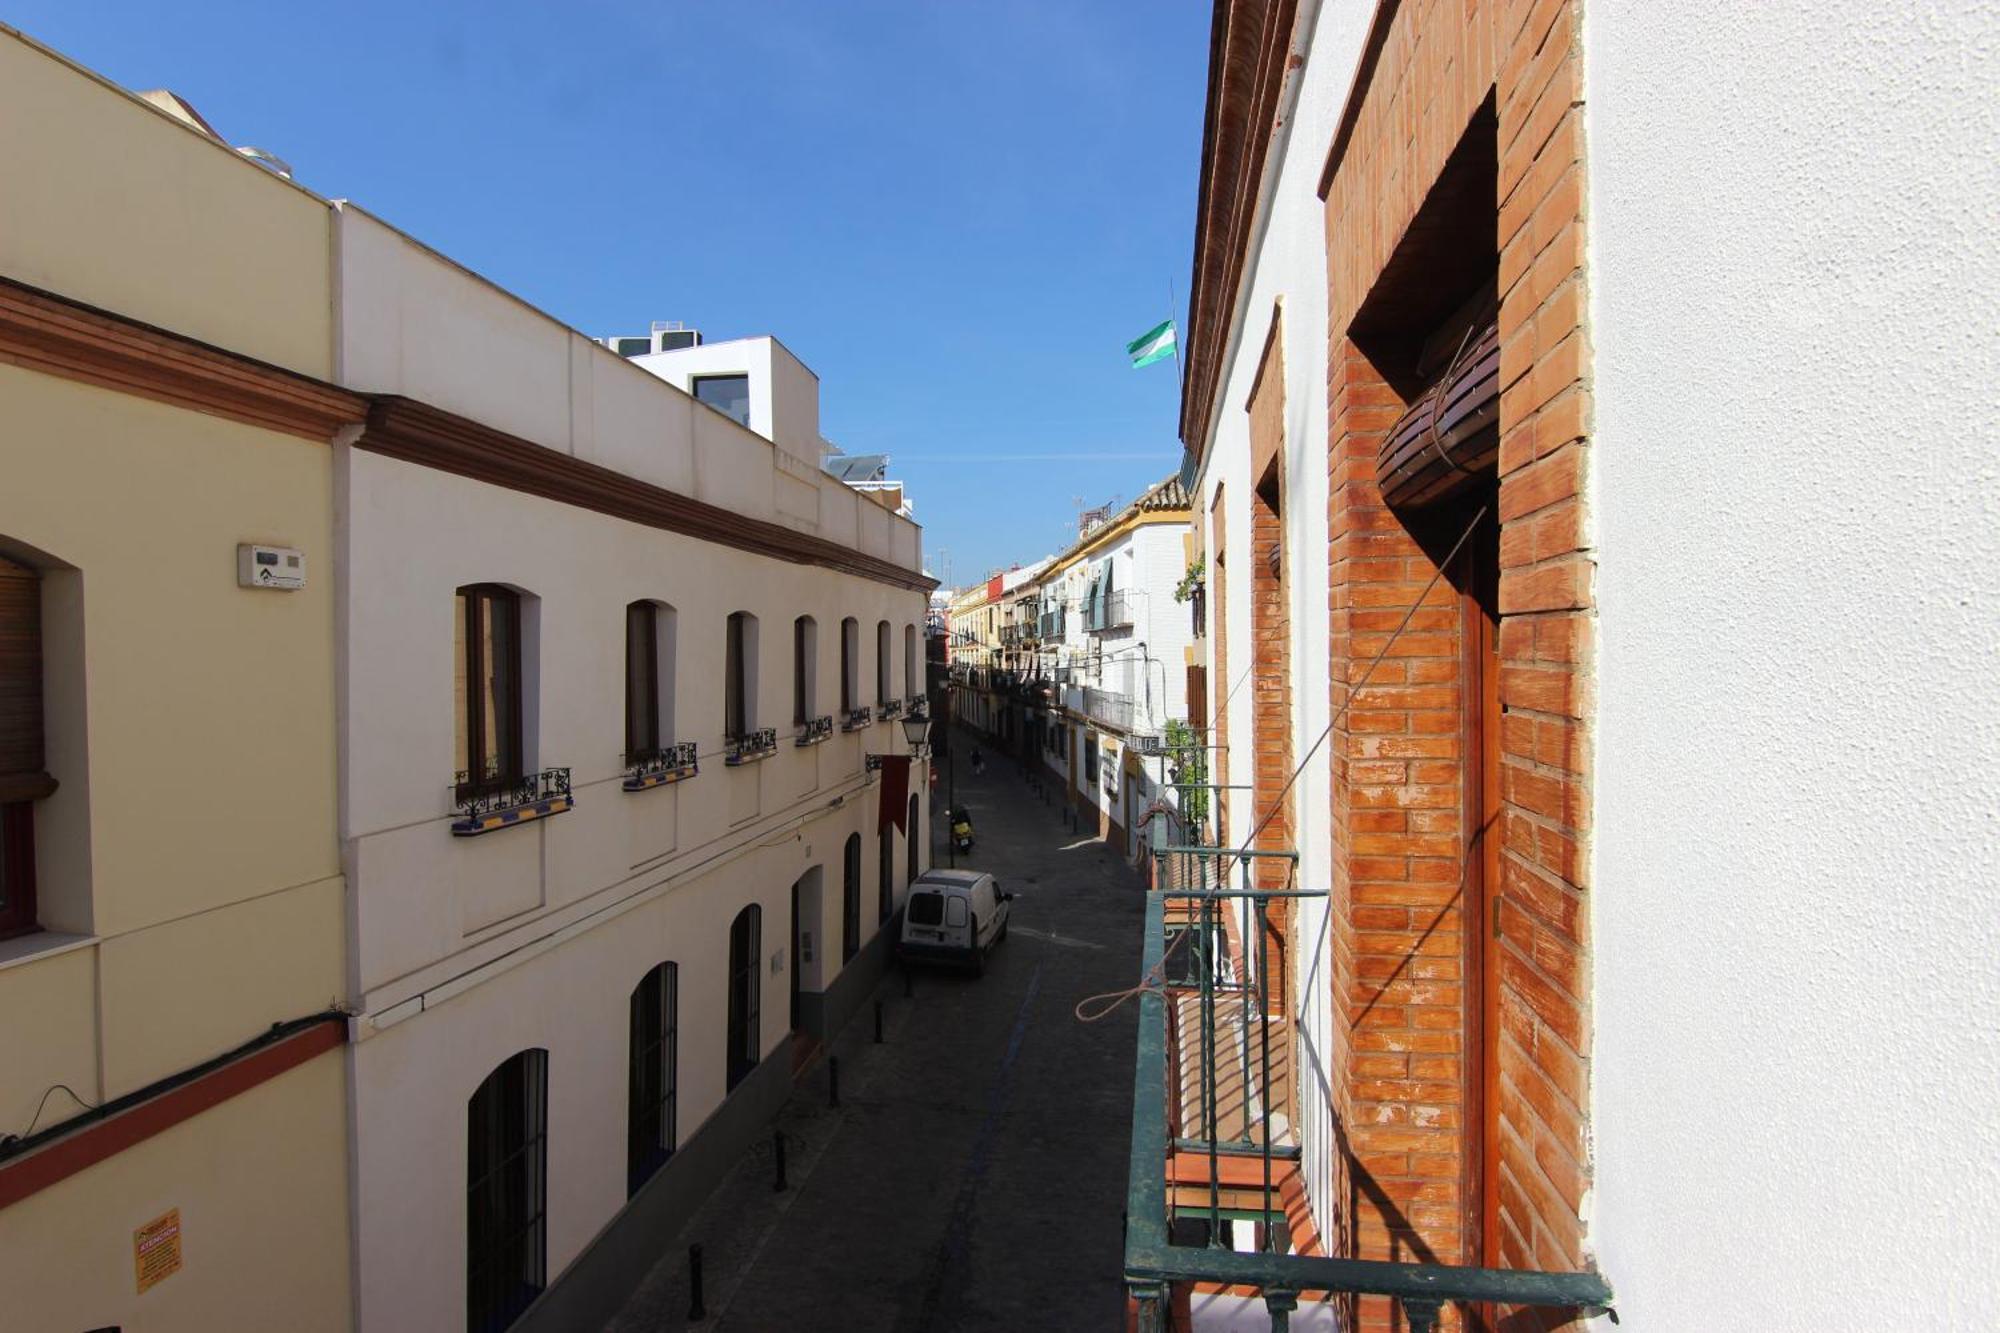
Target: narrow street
<point x="973" y="1176"/>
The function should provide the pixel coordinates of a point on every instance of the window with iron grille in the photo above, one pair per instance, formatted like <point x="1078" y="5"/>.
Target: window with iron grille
<point x="850" y="899"/>
<point x="882" y="651"/>
<point x="654" y="1083"/>
<point x="23" y="780"/>
<point x="740" y="676"/>
<point x="746" y="936"/>
<point x="506" y="1241"/>
<point x="488" y="688"/>
<point x="850" y="651"/>
<point x="885" y="886"/>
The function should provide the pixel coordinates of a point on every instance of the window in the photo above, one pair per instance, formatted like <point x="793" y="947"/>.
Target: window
<point x="954" y="911"/>
<point x="805" y="648"/>
<point x="634" y="346"/>
<point x="488" y="688"/>
<point x="1090" y="758"/>
<point x="655" y="1079"/>
<point x="727" y="394"/>
<point x="910" y="871"/>
<point x="648" y="726"/>
<point x="850" y="900"/>
<point x="740" y="676"/>
<point x="506" y="1172"/>
<point x="910" y="662"/>
<point x="881" y="661"/>
<point x="926" y="909"/>
<point x="885" y="876"/>
<point x="850" y="651"/>
<point x="745" y="999"/>
<point x="22" y="758"/>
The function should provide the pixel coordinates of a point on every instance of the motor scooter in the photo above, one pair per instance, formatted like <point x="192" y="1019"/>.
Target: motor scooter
<point x="961" y="829"/>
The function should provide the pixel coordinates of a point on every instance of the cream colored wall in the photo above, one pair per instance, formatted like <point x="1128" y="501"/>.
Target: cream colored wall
<point x="153" y="219"/>
<point x="193" y="831"/>
<point x="260" y="1182"/>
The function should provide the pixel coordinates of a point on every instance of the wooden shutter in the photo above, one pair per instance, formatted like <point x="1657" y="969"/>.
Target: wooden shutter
<point x="1451" y="433"/>
<point x="22" y="761"/>
<point x="1197" y="697"/>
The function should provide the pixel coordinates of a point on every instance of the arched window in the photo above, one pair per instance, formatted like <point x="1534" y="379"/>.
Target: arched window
<point x="850" y="899"/>
<point x="649" y="679"/>
<point x="740" y="676"/>
<point x="805" y="670"/>
<point x="746" y="936"/>
<point x="506" y="1236"/>
<point x="651" y="1104"/>
<point x="910" y="690"/>
<point x="881" y="661"/>
<point x="850" y="665"/>
<point x="885" y="876"/>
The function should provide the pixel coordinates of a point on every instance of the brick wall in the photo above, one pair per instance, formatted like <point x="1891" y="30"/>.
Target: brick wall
<point x="1404" y="1057"/>
<point x="1271" y="658"/>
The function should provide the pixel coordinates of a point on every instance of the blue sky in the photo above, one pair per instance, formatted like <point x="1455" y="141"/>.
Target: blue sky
<point x="956" y="213"/>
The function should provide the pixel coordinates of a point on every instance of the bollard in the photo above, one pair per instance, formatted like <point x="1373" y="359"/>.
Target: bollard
<point x="878" y="1022"/>
<point x="696" y="1310"/>
<point x="833" y="1080"/>
<point x="778" y="1151"/>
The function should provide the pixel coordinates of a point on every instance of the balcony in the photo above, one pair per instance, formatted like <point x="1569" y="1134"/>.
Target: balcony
<point x="890" y="710"/>
<point x="1211" y="1122"/>
<point x="496" y="802"/>
<point x="857" y="718"/>
<point x="814" y="730"/>
<point x="749" y="748"/>
<point x="1108" y="708"/>
<point x="1109" y="612"/>
<point x="1054" y="623"/>
<point x="646" y="769"/>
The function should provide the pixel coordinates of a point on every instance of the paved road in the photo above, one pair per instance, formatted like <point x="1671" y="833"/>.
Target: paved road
<point x="973" y="1177"/>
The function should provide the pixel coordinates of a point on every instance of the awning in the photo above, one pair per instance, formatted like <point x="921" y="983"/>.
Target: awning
<point x="1451" y="433"/>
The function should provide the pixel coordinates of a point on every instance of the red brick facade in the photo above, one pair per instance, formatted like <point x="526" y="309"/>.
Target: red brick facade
<point x="1459" y="1070"/>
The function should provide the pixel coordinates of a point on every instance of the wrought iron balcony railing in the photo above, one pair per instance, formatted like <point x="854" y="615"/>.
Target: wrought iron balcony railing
<point x="1222" y="1109"/>
<point x="891" y="708"/>
<point x="751" y="747"/>
<point x="1053" y="624"/>
<point x="814" y="730"/>
<point x="496" y="801"/>
<point x="857" y="718"/>
<point x="1113" y="611"/>
<point x="1109" y="707"/>
<point x="646" y="769"/>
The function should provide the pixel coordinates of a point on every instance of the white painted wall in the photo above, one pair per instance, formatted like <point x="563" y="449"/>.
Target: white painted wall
<point x="467" y="950"/>
<point x="410" y="321"/>
<point x="1286" y="279"/>
<point x="1794" y="269"/>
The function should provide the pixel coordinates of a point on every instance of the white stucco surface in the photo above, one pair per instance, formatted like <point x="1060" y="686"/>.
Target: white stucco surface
<point x="1796" y="885"/>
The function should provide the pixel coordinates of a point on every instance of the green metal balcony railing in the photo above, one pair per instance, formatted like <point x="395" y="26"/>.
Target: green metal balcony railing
<point x="1233" y="997"/>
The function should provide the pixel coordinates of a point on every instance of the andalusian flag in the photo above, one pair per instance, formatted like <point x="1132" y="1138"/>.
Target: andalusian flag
<point x="1153" y="345"/>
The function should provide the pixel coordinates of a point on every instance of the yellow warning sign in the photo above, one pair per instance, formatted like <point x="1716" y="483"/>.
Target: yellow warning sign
<point x="156" y="1248"/>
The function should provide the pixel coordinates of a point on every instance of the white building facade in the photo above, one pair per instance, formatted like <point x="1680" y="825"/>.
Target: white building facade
<point x="612" y="666"/>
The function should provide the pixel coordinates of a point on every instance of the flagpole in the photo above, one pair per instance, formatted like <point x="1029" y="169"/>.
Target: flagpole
<point x="1174" y="314"/>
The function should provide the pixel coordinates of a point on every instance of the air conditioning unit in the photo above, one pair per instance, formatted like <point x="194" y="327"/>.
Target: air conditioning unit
<point x="665" y="336"/>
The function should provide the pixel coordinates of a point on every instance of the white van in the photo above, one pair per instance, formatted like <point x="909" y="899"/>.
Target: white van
<point x="953" y="916"/>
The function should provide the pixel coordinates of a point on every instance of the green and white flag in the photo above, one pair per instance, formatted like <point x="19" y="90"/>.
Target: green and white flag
<point x="1153" y="345"/>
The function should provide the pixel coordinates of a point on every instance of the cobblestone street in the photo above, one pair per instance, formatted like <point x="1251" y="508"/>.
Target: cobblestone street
<point x="973" y="1175"/>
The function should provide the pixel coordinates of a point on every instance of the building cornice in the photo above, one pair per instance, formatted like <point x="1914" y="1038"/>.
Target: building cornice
<point x="54" y="335"/>
<point x="1249" y="50"/>
<point x="431" y="437"/>
<point x="57" y="336"/>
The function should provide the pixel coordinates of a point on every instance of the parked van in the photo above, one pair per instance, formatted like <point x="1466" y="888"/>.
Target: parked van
<point x="953" y="916"/>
